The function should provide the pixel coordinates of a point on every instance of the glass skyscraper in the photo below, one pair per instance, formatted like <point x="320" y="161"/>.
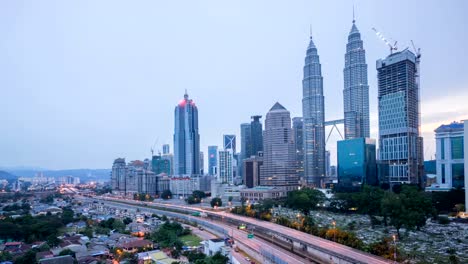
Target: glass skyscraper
<point x="356" y="164"/>
<point x="298" y="134"/>
<point x="356" y="89"/>
<point x="212" y="159"/>
<point x="278" y="151"/>
<point x="230" y="142"/>
<point x="314" y="118"/>
<point x="186" y="138"/>
<point x="256" y="136"/>
<point x="400" y="144"/>
<point x="450" y="156"/>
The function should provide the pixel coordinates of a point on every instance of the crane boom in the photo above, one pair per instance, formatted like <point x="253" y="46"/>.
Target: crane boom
<point x="390" y="45"/>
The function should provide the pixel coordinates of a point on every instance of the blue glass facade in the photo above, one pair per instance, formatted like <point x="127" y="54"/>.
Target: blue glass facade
<point x="356" y="163"/>
<point x="212" y="159"/>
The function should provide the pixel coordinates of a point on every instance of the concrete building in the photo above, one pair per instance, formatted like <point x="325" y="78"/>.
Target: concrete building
<point x="262" y="192"/>
<point x="202" y="163"/>
<point x="118" y="175"/>
<point x="356" y="89"/>
<point x="252" y="167"/>
<point x="246" y="144"/>
<point x="450" y="159"/>
<point x="215" y="245"/>
<point x="356" y="164"/>
<point x="212" y="159"/>
<point x="225" y="166"/>
<point x="186" y="138"/>
<point x="400" y="144"/>
<point x="313" y="112"/>
<point x="278" y="151"/>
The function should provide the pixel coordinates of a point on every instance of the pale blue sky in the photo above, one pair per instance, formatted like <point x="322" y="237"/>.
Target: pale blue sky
<point x="84" y="82"/>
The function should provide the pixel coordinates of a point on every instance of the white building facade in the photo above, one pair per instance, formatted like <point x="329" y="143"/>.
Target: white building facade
<point x="450" y="162"/>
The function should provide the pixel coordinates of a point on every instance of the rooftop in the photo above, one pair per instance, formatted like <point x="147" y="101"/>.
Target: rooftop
<point x="452" y="127"/>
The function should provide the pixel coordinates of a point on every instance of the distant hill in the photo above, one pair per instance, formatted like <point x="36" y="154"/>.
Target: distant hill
<point x="85" y="175"/>
<point x="7" y="176"/>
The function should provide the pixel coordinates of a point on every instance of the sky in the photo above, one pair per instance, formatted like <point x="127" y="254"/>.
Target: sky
<point x="85" y="82"/>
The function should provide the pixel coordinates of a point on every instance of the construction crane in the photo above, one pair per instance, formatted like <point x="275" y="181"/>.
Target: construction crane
<point x="390" y="45"/>
<point x="417" y="51"/>
<point x="152" y="148"/>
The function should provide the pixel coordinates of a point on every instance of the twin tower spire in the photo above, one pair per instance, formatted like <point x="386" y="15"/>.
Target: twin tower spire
<point x="355" y="99"/>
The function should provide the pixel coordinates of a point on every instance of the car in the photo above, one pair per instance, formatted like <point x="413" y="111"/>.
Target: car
<point x="247" y="258"/>
<point x="201" y="228"/>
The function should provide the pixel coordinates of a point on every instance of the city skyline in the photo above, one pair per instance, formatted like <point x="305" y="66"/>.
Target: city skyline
<point x="70" y="88"/>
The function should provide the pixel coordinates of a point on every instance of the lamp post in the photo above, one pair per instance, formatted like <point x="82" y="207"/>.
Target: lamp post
<point x="395" y="249"/>
<point x="334" y="230"/>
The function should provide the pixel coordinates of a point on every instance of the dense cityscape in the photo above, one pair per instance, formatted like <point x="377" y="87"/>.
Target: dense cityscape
<point x="270" y="194"/>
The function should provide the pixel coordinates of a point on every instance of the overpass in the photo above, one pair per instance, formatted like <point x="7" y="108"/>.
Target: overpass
<point x="317" y="249"/>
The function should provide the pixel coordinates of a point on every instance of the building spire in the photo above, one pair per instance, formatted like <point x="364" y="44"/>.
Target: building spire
<point x="310" y="31"/>
<point x="354" y="20"/>
<point x="185" y="95"/>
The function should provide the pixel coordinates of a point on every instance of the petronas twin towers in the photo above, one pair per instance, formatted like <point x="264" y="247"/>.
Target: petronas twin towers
<point x="356" y="104"/>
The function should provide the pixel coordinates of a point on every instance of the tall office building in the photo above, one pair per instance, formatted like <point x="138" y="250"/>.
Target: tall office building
<point x="450" y="164"/>
<point x="400" y="144"/>
<point x="278" y="151"/>
<point x="314" y="118"/>
<point x="356" y="89"/>
<point x="356" y="164"/>
<point x="252" y="167"/>
<point x="230" y="142"/>
<point x="246" y="145"/>
<point x="166" y="149"/>
<point x="202" y="163"/>
<point x="225" y="166"/>
<point x="298" y="134"/>
<point x="256" y="135"/>
<point x="160" y="165"/>
<point x="186" y="138"/>
<point x="212" y="159"/>
<point x="118" y="175"/>
<point x="327" y="163"/>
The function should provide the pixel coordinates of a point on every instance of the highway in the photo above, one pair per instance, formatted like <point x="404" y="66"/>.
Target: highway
<point x="341" y="251"/>
<point x="239" y="236"/>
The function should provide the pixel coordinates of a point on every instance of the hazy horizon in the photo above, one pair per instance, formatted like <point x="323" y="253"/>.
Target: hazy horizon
<point x="86" y="82"/>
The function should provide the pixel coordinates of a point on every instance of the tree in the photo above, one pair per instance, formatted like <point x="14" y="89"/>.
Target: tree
<point x="166" y="194"/>
<point x="305" y="199"/>
<point x="127" y="220"/>
<point x="410" y="208"/>
<point x="67" y="215"/>
<point x="216" y="202"/>
<point x="199" y="194"/>
<point x="193" y="200"/>
<point x="53" y="241"/>
<point x="66" y="252"/>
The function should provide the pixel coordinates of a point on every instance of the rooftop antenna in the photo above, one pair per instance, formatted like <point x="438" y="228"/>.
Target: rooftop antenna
<point x="354" y="20"/>
<point x="310" y="31"/>
<point x="381" y="36"/>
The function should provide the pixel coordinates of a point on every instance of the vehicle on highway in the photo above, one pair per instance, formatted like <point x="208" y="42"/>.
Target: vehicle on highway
<point x="242" y="227"/>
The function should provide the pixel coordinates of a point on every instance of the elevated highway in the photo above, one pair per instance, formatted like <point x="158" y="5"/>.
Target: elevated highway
<point x="315" y="249"/>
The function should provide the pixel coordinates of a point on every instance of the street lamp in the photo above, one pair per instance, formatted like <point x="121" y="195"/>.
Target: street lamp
<point x="395" y="250"/>
<point x="334" y="231"/>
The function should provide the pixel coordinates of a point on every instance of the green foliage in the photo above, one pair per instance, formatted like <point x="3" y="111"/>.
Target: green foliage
<point x="384" y="248"/>
<point x="67" y="215"/>
<point x="193" y="256"/>
<point x="216" y="202"/>
<point x="28" y="258"/>
<point x="444" y="202"/>
<point x="5" y="256"/>
<point x="168" y="235"/>
<point x="128" y="220"/>
<point x="410" y="208"/>
<point x="49" y="199"/>
<point x="166" y="194"/>
<point x="217" y="258"/>
<point x="199" y="194"/>
<point x="193" y="200"/>
<point x="305" y="199"/>
<point x="66" y="252"/>
<point x="111" y="224"/>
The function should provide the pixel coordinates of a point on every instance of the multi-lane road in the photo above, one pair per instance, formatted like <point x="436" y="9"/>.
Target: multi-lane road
<point x="336" y="250"/>
<point x="239" y="236"/>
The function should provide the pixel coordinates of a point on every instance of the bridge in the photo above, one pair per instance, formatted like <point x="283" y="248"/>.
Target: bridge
<point x="310" y="248"/>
